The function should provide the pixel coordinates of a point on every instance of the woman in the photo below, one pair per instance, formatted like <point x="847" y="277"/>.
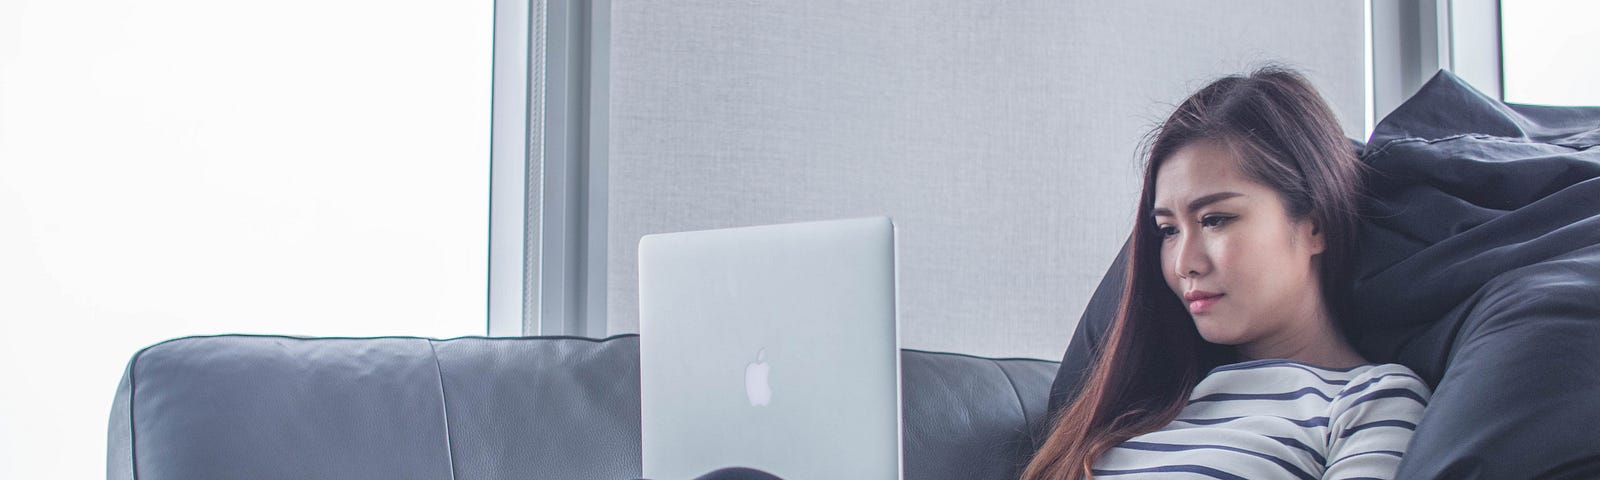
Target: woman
<point x="1225" y="359"/>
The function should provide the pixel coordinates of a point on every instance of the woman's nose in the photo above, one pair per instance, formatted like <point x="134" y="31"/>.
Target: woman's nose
<point x="1190" y="261"/>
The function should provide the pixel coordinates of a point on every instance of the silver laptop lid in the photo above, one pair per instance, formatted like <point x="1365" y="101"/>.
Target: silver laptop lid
<point x="771" y="347"/>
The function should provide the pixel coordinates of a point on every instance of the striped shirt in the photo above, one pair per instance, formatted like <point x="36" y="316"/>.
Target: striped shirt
<point x="1267" y="419"/>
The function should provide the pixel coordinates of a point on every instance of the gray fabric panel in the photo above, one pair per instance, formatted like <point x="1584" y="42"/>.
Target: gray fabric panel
<point x="558" y="408"/>
<point x="1001" y="136"/>
<point x="245" y="407"/>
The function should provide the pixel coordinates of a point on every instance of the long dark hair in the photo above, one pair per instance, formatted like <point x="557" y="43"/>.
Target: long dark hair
<point x="1285" y="137"/>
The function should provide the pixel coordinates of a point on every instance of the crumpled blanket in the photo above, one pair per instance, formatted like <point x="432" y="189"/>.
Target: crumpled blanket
<point x="1480" y="270"/>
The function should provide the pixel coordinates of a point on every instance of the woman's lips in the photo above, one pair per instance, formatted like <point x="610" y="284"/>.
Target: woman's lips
<point x="1199" y="304"/>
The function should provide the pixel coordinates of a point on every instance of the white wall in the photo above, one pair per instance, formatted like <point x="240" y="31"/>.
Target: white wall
<point x="179" y="167"/>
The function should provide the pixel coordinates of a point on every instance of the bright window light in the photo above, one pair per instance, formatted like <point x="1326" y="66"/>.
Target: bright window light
<point x="1547" y="51"/>
<point x="183" y="167"/>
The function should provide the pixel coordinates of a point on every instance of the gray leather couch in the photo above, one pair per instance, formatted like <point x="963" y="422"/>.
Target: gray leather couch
<point x="270" y="407"/>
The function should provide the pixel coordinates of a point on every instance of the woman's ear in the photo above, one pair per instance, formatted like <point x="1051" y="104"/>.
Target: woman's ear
<point x="1313" y="236"/>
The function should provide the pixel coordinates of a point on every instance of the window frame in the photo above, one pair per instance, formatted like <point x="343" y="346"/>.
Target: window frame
<point x="547" y="255"/>
<point x="1412" y="39"/>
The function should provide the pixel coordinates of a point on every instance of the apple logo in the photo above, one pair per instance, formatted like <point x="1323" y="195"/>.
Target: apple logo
<point x="755" y="381"/>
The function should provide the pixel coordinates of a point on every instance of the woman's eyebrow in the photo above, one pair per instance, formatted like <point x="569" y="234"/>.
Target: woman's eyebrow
<point x="1198" y="203"/>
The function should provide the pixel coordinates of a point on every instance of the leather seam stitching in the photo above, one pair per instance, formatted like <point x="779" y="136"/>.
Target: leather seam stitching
<point x="1018" y="395"/>
<point x="133" y="434"/>
<point x="444" y="408"/>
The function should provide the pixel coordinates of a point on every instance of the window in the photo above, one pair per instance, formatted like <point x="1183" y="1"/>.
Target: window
<point x="1547" y="50"/>
<point x="182" y="167"/>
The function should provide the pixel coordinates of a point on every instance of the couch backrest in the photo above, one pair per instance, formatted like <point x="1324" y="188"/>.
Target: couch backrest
<point x="244" y="407"/>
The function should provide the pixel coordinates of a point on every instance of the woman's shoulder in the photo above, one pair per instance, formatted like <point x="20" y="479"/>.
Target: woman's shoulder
<point x="1389" y="374"/>
<point x="1339" y="381"/>
<point x="1344" y="374"/>
<point x="1279" y="375"/>
<point x="1382" y="381"/>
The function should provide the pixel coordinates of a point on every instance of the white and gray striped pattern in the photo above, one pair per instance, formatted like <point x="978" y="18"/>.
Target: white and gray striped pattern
<point x="1281" y="419"/>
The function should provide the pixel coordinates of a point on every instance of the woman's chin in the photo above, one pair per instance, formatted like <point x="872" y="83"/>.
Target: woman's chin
<point x="1214" y="334"/>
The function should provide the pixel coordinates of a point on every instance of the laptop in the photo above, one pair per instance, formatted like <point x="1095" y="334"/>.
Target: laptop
<point x="771" y="347"/>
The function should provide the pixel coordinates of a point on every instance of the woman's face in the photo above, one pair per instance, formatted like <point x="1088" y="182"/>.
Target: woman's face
<point x="1244" y="269"/>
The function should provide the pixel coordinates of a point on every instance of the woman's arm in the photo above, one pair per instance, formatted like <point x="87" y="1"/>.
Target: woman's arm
<point x="1371" y="422"/>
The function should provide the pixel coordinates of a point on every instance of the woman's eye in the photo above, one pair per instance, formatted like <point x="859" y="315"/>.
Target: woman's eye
<point x="1167" y="230"/>
<point x="1214" y="220"/>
